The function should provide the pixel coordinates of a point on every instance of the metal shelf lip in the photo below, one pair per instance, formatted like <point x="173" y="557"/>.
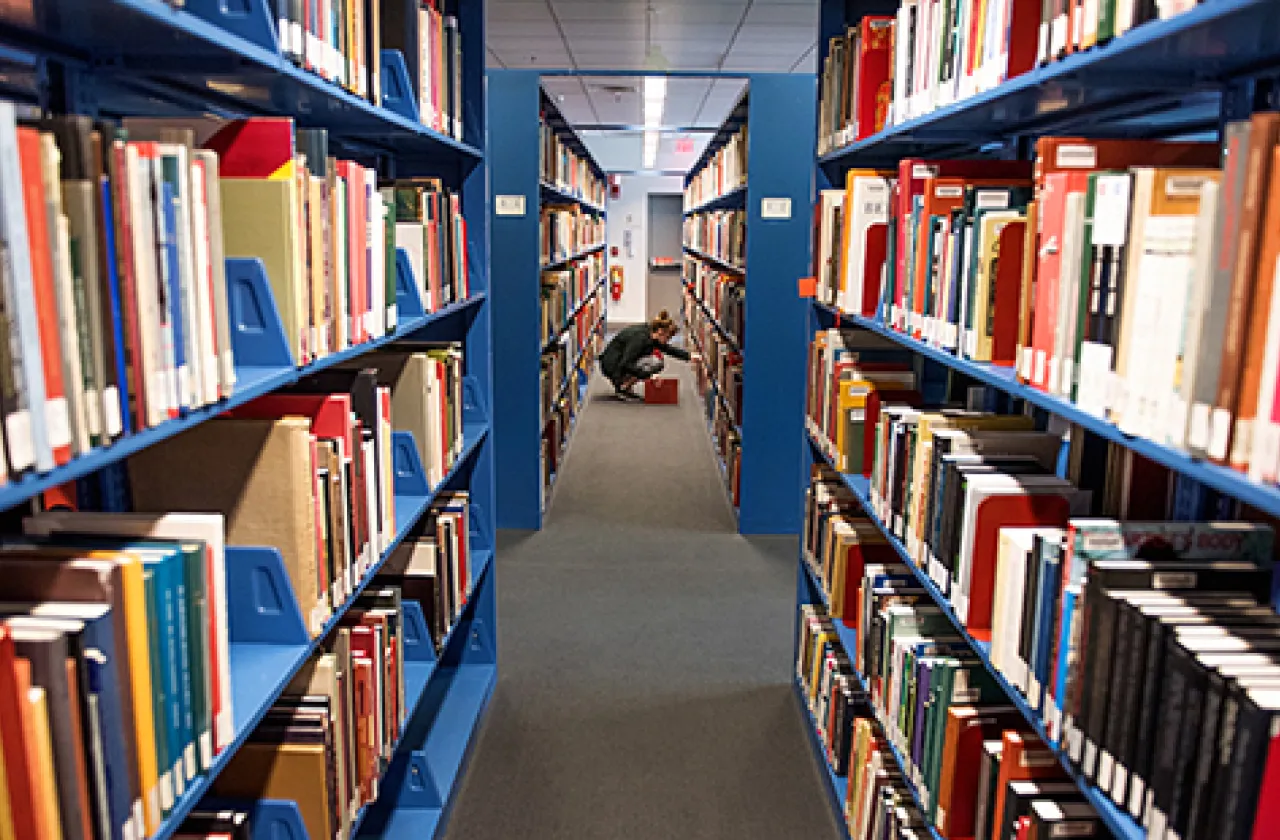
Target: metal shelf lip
<point x="248" y="719"/>
<point x="1264" y="497"/>
<point x="706" y="310"/>
<point x="715" y="261"/>
<point x="575" y="257"/>
<point x="568" y="322"/>
<point x="264" y="382"/>
<point x="735" y="198"/>
<point x="1117" y="820"/>
<point x="1150" y="58"/>
<point x="556" y="193"/>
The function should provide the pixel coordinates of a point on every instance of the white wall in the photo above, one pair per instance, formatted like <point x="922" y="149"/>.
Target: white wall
<point x="630" y="212"/>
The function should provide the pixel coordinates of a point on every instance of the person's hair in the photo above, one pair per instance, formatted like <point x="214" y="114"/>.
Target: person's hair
<point x="663" y="321"/>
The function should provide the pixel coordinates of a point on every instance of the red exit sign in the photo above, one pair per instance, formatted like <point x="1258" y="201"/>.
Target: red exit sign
<point x="684" y="146"/>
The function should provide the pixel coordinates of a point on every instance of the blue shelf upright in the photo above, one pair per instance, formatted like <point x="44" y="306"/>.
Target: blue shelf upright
<point x="517" y="194"/>
<point x="781" y="139"/>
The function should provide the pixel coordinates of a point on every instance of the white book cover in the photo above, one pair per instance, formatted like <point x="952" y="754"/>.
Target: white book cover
<point x="26" y="430"/>
<point x="202" y="284"/>
<point x="195" y="330"/>
<point x="867" y="209"/>
<point x="69" y="334"/>
<point x="155" y="375"/>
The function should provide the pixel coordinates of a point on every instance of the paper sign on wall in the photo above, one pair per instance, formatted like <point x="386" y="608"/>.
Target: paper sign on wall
<point x="775" y="208"/>
<point x="509" y="205"/>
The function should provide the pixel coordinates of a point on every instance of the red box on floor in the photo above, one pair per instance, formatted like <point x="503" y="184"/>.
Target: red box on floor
<point x="662" y="390"/>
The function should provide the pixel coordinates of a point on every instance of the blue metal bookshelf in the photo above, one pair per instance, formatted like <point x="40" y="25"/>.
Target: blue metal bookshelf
<point x="1182" y="77"/>
<point x="780" y="114"/>
<point x="518" y="194"/>
<point x="142" y="57"/>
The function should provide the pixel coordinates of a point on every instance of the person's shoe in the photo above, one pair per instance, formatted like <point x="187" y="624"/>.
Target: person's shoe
<point x="626" y="393"/>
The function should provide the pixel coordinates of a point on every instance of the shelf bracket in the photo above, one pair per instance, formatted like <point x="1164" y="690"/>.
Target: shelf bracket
<point x="264" y="609"/>
<point x="257" y="335"/>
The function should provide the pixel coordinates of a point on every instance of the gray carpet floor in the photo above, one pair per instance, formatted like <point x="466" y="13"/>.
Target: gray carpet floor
<point x="645" y="654"/>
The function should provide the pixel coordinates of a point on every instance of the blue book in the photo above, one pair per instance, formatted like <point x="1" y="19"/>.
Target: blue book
<point x="117" y="312"/>
<point x="172" y="281"/>
<point x="1046" y="613"/>
<point x="1060" y="666"/>
<point x="168" y="563"/>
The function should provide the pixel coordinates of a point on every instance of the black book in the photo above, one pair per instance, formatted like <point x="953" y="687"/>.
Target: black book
<point x="1019" y="796"/>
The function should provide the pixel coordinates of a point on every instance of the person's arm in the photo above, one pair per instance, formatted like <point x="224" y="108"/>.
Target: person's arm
<point x="677" y="352"/>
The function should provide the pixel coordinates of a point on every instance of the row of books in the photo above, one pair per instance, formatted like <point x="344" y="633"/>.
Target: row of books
<point x="342" y="41"/>
<point x="124" y="230"/>
<point x="568" y="230"/>
<point x="224" y="823"/>
<point x="718" y="370"/>
<point x="575" y="351"/>
<point x="566" y="170"/>
<point x="564" y="289"/>
<point x="967" y="268"/>
<point x="138" y="601"/>
<point x="724" y="172"/>
<point x="937" y="704"/>
<point x="723" y="293"/>
<point x="973" y="499"/>
<point x="328" y="741"/>
<point x="888" y="69"/>
<point x="720" y="233"/>
<point x="564" y="398"/>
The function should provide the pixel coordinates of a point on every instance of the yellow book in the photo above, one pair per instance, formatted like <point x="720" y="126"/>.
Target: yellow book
<point x="260" y="219"/>
<point x="37" y="722"/>
<point x="290" y="771"/>
<point x="315" y="255"/>
<point x="989" y="232"/>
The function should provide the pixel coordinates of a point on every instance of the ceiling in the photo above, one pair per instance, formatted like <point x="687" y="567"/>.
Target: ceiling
<point x="729" y="36"/>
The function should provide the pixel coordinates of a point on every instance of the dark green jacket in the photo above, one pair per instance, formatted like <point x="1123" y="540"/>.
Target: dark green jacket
<point x="629" y="346"/>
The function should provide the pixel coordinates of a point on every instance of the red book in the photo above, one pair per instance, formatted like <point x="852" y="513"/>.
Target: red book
<point x="1025" y="506"/>
<point x="128" y="288"/>
<point x="1057" y="186"/>
<point x="875" y="253"/>
<point x="1008" y="295"/>
<point x="255" y="147"/>
<point x="1022" y="23"/>
<point x="18" y="774"/>
<point x="57" y="419"/>
<point x="967" y="728"/>
<point x="1023" y="757"/>
<point x="363" y="677"/>
<point x="857" y="557"/>
<point x="875" y="86"/>
<point x="875" y="400"/>
<point x="912" y="174"/>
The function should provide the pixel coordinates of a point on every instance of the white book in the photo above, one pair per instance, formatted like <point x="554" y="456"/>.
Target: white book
<point x="26" y="429"/>
<point x="206" y="342"/>
<point x="151" y="355"/>
<point x="218" y="269"/>
<point x="69" y="334"/>
<point x="865" y="215"/>
<point x="1061" y="372"/>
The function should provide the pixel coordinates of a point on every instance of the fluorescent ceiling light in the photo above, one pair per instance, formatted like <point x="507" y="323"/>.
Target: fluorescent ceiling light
<point x="655" y="100"/>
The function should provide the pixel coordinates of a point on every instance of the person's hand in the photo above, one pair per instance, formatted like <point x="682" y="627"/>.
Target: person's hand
<point x="695" y="357"/>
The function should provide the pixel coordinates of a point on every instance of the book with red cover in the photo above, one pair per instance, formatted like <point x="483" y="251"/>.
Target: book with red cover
<point x="966" y="729"/>
<point x="875" y="400"/>
<point x="1003" y="320"/>
<point x="874" y="90"/>
<point x="1054" y="190"/>
<point x="255" y="147"/>
<point x="1023" y="757"/>
<point x="912" y="174"/>
<point x="56" y="417"/>
<point x="18" y="775"/>
<point x="1027" y="506"/>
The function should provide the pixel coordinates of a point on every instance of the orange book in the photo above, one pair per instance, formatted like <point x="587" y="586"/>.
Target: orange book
<point x="1024" y="757"/>
<point x="20" y="776"/>
<point x="967" y="728"/>
<point x="56" y="417"/>
<point x="1058" y="154"/>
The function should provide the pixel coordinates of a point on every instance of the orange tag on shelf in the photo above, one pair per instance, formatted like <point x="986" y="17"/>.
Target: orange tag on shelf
<point x="808" y="287"/>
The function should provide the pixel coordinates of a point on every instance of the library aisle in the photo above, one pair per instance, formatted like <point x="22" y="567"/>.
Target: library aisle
<point x="645" y="688"/>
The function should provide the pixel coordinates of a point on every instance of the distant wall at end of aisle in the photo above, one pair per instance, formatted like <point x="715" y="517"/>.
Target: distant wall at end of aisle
<point x="630" y="211"/>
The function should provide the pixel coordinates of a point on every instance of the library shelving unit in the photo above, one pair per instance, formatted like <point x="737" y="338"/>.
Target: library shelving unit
<point x="537" y="162"/>
<point x="776" y="197"/>
<point x="120" y="58"/>
<point x="1183" y="77"/>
